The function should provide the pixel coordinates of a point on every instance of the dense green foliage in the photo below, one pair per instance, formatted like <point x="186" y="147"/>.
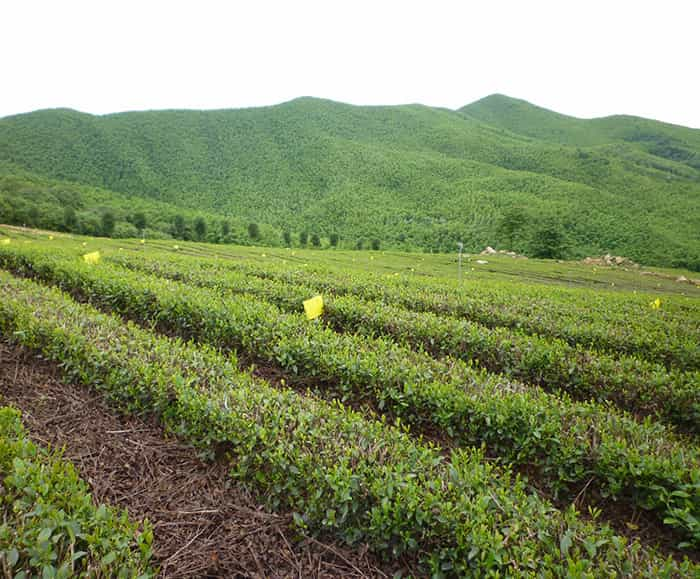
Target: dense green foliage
<point x="34" y="201"/>
<point x="518" y="116"/>
<point x="50" y="526"/>
<point x="361" y="479"/>
<point x="405" y="176"/>
<point x="567" y="443"/>
<point x="641" y="387"/>
<point x="615" y="323"/>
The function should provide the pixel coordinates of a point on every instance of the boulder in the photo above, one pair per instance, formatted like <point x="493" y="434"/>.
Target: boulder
<point x="610" y="260"/>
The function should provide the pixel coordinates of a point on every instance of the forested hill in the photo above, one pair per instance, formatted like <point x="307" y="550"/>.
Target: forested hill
<point x="498" y="172"/>
<point x="661" y="139"/>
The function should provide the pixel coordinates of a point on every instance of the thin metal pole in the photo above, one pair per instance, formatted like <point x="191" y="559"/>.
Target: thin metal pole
<point x="460" y="245"/>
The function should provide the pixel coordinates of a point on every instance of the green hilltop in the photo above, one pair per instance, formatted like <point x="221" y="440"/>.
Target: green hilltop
<point x="498" y="172"/>
<point x="664" y="140"/>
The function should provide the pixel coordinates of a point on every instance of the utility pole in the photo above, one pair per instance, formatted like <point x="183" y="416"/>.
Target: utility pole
<point x="460" y="246"/>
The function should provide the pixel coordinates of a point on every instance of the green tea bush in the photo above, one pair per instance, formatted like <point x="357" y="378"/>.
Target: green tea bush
<point x="568" y="444"/>
<point x="636" y="385"/>
<point x="50" y="526"/>
<point x="360" y="479"/>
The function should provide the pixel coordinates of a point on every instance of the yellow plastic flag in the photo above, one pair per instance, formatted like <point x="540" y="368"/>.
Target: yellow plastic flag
<point x="143" y="241"/>
<point x="176" y="247"/>
<point x="92" y="257"/>
<point x="50" y="237"/>
<point x="313" y="307"/>
<point x="5" y="241"/>
<point x="656" y="304"/>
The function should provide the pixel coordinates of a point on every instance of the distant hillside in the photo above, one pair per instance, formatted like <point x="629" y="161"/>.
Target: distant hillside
<point x="499" y="172"/>
<point x="660" y="139"/>
<point x="36" y="201"/>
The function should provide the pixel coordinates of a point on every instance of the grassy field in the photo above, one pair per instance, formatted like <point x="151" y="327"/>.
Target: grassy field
<point x="523" y="418"/>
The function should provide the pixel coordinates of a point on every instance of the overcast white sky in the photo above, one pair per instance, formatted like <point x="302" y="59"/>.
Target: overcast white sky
<point x="585" y="58"/>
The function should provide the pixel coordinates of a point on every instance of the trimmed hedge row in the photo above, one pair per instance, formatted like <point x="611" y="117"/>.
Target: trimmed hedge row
<point x="50" y="526"/>
<point x="568" y="444"/>
<point x="362" y="480"/>
<point x="598" y="320"/>
<point x="635" y="385"/>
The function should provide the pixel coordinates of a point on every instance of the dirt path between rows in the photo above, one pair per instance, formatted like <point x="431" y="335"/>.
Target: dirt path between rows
<point x="204" y="524"/>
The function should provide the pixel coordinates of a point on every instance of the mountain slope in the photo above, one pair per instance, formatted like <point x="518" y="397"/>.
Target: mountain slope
<point x="664" y="140"/>
<point x="412" y="176"/>
<point x="59" y="205"/>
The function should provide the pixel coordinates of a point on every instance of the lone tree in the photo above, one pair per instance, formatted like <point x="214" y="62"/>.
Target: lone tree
<point x="512" y="222"/>
<point x="334" y="239"/>
<point x="108" y="223"/>
<point x="315" y="240"/>
<point x="139" y="221"/>
<point x="179" y="227"/>
<point x="287" y="238"/>
<point x="548" y="240"/>
<point x="304" y="237"/>
<point x="34" y="216"/>
<point x="375" y="244"/>
<point x="225" y="229"/>
<point x="359" y="244"/>
<point x="70" y="219"/>
<point x="200" y="228"/>
<point x="253" y="231"/>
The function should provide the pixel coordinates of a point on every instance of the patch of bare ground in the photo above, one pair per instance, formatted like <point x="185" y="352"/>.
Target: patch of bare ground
<point x="205" y="525"/>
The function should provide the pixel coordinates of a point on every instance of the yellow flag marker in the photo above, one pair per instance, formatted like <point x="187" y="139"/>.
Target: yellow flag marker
<point x="143" y="241"/>
<point x="656" y="304"/>
<point x="176" y="247"/>
<point x="313" y="307"/>
<point x="50" y="237"/>
<point x="93" y="257"/>
<point x="84" y="244"/>
<point x="5" y="241"/>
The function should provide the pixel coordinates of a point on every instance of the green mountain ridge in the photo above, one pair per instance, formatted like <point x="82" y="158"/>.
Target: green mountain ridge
<point x="411" y="176"/>
<point x="661" y="139"/>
